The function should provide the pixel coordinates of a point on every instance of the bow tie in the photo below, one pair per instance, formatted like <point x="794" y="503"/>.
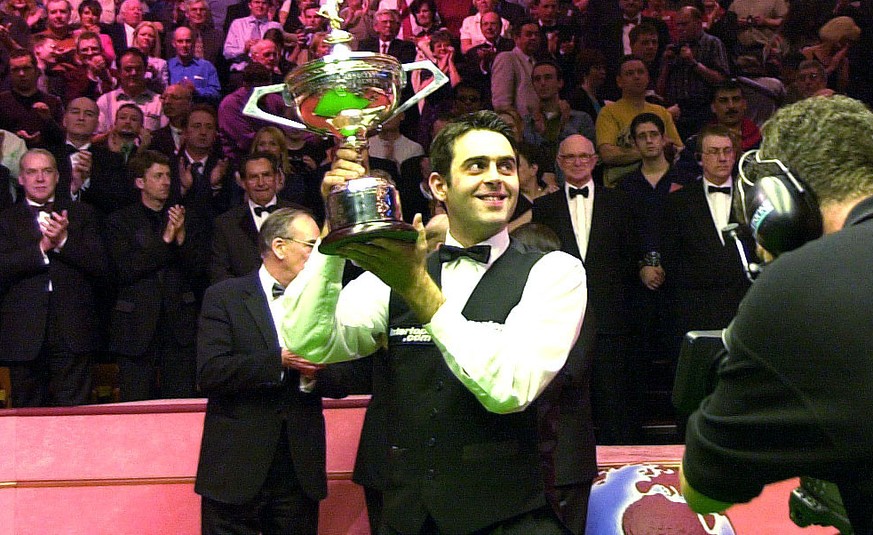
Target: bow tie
<point x="715" y="189"/>
<point x="259" y="210"/>
<point x="47" y="207"/>
<point x="479" y="253"/>
<point x="278" y="290"/>
<point x="579" y="191"/>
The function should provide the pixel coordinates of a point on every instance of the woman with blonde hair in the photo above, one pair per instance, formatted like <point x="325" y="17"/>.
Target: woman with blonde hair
<point x="146" y="37"/>
<point x="271" y="140"/>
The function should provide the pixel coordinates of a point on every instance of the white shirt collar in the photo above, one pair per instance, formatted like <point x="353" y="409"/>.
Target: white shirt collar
<point x="499" y="244"/>
<point x="267" y="282"/>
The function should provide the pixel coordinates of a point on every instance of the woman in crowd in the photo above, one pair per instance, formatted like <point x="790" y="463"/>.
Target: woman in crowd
<point x="33" y="14"/>
<point x="89" y="15"/>
<point x="145" y="38"/>
<point x="426" y="16"/>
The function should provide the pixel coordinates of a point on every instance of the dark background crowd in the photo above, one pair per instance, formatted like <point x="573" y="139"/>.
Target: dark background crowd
<point x="103" y="87"/>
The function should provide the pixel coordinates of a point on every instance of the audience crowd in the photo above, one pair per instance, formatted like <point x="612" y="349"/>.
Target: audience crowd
<point x="125" y="190"/>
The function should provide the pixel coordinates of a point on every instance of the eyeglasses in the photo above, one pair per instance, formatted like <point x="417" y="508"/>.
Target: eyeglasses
<point x="584" y="157"/>
<point x="310" y="244"/>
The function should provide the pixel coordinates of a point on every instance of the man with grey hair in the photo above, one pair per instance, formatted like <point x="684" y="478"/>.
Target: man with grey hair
<point x="792" y="393"/>
<point x="262" y="468"/>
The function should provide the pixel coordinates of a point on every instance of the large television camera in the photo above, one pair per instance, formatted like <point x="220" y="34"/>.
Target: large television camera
<point x="814" y="502"/>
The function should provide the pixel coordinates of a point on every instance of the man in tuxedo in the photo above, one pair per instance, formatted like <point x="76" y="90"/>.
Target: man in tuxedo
<point x="51" y="259"/>
<point x="235" y="237"/>
<point x="262" y="458"/>
<point x="703" y="272"/>
<point x="74" y="155"/>
<point x="157" y="251"/>
<point x="595" y="225"/>
<point x="468" y="355"/>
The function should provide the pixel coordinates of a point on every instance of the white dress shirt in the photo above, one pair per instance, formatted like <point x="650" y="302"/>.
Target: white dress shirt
<point x="259" y="219"/>
<point x="505" y="366"/>
<point x="581" y="209"/>
<point x="719" y="205"/>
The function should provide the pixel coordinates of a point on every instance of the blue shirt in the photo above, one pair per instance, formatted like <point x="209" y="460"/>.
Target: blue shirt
<point x="200" y="72"/>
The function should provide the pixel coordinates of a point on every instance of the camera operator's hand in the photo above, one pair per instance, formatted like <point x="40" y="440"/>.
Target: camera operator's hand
<point x="687" y="55"/>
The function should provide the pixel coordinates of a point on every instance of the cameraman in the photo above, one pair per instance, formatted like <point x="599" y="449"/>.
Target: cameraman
<point x="794" y="395"/>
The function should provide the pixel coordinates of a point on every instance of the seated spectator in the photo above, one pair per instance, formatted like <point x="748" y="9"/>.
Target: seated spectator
<point x="245" y="32"/>
<point x="90" y="76"/>
<point x="33" y="14"/>
<point x="188" y="69"/>
<point x="811" y="80"/>
<point x="764" y="94"/>
<point x="729" y="107"/>
<point x="237" y="130"/>
<point x="145" y="38"/>
<point x="89" y="17"/>
<point x="130" y="15"/>
<point x="837" y="37"/>
<point x="59" y="28"/>
<point x="471" y="28"/>
<point x="33" y="115"/>
<point x="132" y="69"/>
<point x="426" y="16"/>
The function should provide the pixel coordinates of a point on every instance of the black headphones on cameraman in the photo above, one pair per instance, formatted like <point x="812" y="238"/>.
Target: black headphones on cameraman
<point x="780" y="208"/>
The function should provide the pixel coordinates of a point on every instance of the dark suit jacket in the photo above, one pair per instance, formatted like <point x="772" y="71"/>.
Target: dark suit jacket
<point x="404" y="51"/>
<point x="162" y="141"/>
<point x="611" y="259"/>
<point x="704" y="278"/>
<point x="153" y="278"/>
<point x="610" y="43"/>
<point x="24" y="278"/>
<point x="117" y="35"/>
<point x="111" y="185"/>
<point x="235" y="243"/>
<point x="239" y="369"/>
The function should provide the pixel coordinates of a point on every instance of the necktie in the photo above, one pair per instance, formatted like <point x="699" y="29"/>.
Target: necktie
<point x="278" y="290"/>
<point x="405" y="23"/>
<point x="256" y="29"/>
<point x="197" y="171"/>
<point x="479" y="253"/>
<point x="261" y="210"/>
<point x="579" y="191"/>
<point x="715" y="189"/>
<point x="385" y="48"/>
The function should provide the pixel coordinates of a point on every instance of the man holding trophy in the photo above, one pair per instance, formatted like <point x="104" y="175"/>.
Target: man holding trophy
<point x="474" y="333"/>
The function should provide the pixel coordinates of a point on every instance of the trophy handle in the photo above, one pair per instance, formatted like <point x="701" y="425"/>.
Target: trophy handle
<point x="251" y="108"/>
<point x="439" y="78"/>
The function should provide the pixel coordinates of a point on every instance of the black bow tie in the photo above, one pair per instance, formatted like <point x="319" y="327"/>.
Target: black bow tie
<point x="715" y="189"/>
<point x="579" y="191"/>
<point x="479" y="253"/>
<point x="259" y="210"/>
<point x="278" y="290"/>
<point x="47" y="207"/>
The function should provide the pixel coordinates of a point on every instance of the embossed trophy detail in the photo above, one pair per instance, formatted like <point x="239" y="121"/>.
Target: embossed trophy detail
<point x="348" y="95"/>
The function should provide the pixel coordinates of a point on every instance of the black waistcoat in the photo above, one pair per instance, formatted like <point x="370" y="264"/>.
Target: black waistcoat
<point x="451" y="458"/>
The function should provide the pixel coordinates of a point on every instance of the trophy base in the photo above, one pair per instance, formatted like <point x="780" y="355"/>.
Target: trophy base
<point x="365" y="232"/>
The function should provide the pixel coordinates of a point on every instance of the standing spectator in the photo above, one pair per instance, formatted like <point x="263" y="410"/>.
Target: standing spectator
<point x="208" y="40"/>
<point x="51" y="259"/>
<point x="132" y="68"/>
<point x="591" y="66"/>
<point x="73" y="156"/>
<point x="185" y="67"/>
<point x="759" y="22"/>
<point x="204" y="181"/>
<point x="14" y="35"/>
<point x="176" y="102"/>
<point x="478" y="61"/>
<point x="33" y="115"/>
<point x="33" y="15"/>
<point x="237" y="130"/>
<point x="245" y="32"/>
<point x="90" y="75"/>
<point x="157" y="251"/>
<point x="59" y="28"/>
<point x="690" y="71"/>
<point x="614" y="143"/>
<point x="235" y="240"/>
<point x="511" y="86"/>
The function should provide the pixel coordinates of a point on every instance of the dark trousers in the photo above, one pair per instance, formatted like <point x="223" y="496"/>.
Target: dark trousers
<point x="57" y="377"/>
<point x="539" y="522"/>
<point x="177" y="365"/>
<point x="573" y="506"/>
<point x="280" y="507"/>
<point x="613" y="399"/>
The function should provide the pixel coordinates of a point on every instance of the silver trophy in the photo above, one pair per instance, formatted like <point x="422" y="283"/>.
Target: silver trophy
<point x="349" y="95"/>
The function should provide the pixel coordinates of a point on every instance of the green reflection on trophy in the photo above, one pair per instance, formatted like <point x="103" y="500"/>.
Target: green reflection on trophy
<point x="348" y="95"/>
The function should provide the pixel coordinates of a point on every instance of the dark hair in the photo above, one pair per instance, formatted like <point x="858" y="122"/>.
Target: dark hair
<point x="93" y="5"/>
<point x="442" y="150"/>
<point x="627" y="58"/>
<point x="133" y="52"/>
<point x="537" y="236"/>
<point x="715" y="130"/>
<point x="131" y="106"/>
<point x="534" y="156"/>
<point x="276" y="226"/>
<point x="731" y="84"/>
<point x="640" y="30"/>
<point x="516" y="28"/>
<point x="88" y="36"/>
<point x="139" y="164"/>
<point x="588" y="58"/>
<point x="206" y="108"/>
<point x="549" y="63"/>
<point x="415" y="7"/>
<point x="274" y="164"/>
<point x="647" y="118"/>
<point x="255" y="74"/>
<point x="22" y="53"/>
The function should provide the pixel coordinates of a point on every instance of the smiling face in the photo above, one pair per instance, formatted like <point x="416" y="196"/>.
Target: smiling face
<point x="576" y="158"/>
<point x="482" y="186"/>
<point x="58" y="18"/>
<point x="260" y="181"/>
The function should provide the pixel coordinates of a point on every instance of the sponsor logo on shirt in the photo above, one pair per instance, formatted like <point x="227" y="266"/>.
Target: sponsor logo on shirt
<point x="409" y="335"/>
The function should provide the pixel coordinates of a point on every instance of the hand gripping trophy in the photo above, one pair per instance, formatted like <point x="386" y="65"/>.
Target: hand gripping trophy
<point x="348" y="94"/>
